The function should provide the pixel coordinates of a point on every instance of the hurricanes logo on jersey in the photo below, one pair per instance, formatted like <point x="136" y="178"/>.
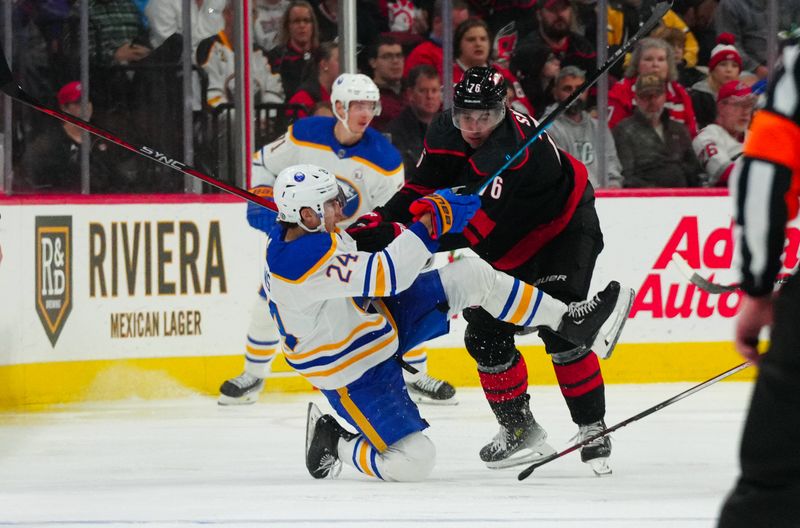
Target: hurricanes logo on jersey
<point x="352" y="197"/>
<point x="53" y="273"/>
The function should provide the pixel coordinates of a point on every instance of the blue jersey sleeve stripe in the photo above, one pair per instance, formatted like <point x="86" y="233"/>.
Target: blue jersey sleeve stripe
<point x="510" y="302"/>
<point x="392" y="276"/>
<point x="368" y="276"/>
<point x="374" y="464"/>
<point x="539" y="294"/>
<point x="355" y="450"/>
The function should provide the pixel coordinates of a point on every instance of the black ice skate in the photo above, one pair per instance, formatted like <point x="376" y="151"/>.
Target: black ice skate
<point x="430" y="390"/>
<point x="523" y="444"/>
<point x="244" y="389"/>
<point x="597" y="452"/>
<point x="598" y="322"/>
<point x="322" y="439"/>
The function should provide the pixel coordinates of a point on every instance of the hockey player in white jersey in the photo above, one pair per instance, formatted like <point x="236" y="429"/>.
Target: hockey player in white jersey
<point x="369" y="170"/>
<point x="345" y="315"/>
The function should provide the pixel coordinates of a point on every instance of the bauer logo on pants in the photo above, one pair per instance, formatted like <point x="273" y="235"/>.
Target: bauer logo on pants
<point x="53" y="273"/>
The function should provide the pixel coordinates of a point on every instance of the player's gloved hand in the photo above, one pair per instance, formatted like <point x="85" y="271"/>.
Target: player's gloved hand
<point x="376" y="237"/>
<point x="449" y="212"/>
<point x="258" y="216"/>
<point x="369" y="220"/>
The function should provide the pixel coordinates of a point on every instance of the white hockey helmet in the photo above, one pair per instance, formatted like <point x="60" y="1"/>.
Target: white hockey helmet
<point x="299" y="186"/>
<point x="349" y="87"/>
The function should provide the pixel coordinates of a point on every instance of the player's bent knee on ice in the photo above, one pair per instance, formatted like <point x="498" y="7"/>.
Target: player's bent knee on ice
<point x="410" y="459"/>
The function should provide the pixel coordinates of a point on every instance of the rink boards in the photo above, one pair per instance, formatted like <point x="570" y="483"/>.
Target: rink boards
<point x="106" y="297"/>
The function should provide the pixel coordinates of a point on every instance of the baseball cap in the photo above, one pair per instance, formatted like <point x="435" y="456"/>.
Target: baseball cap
<point x="736" y="90"/>
<point x="69" y="93"/>
<point x="650" y="83"/>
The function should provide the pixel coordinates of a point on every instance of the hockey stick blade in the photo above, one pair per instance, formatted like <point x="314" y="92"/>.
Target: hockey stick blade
<point x="659" y="10"/>
<point x="525" y="473"/>
<point x="15" y="91"/>
<point x="698" y="280"/>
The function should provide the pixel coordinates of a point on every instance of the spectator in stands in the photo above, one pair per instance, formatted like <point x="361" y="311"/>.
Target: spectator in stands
<point x="269" y="14"/>
<point x="555" y="37"/>
<point x="725" y="65"/>
<point x="575" y="130"/>
<point x="165" y="18"/>
<point x="318" y="89"/>
<point x="687" y="76"/>
<point x="52" y="161"/>
<point x="472" y="47"/>
<point x="746" y="20"/>
<point x="407" y="131"/>
<point x="651" y="56"/>
<point x="216" y="56"/>
<point x="699" y="17"/>
<point x="386" y="60"/>
<point x="653" y="149"/>
<point x="292" y="58"/>
<point x="719" y="144"/>
<point x="370" y="23"/>
<point x="430" y="51"/>
<point x="117" y="36"/>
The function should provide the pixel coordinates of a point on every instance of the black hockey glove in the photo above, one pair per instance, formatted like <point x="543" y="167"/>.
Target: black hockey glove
<point x="375" y="237"/>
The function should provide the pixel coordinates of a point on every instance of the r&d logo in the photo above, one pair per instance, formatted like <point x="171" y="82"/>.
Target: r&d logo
<point x="53" y="273"/>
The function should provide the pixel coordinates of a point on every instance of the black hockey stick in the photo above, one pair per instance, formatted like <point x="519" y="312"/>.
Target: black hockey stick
<point x="13" y="90"/>
<point x="530" y="469"/>
<point x="702" y="282"/>
<point x="658" y="13"/>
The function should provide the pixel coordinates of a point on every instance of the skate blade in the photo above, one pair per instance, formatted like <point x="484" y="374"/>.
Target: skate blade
<point x="600" y="467"/>
<point x="526" y="456"/>
<point x="247" y="399"/>
<point x="312" y="417"/>
<point x="424" y="400"/>
<point x="609" y="333"/>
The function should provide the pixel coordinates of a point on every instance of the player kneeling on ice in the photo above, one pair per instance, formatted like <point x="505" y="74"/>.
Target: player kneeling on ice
<point x="345" y="316"/>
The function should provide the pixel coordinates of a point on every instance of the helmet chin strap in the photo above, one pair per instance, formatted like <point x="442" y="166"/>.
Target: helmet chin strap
<point x="319" y="229"/>
<point x="343" y="121"/>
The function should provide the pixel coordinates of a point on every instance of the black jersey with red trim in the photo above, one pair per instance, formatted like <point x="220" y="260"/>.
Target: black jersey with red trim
<point x="524" y="208"/>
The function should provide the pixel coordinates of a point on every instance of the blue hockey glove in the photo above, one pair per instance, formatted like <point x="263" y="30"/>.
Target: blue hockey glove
<point x="260" y="217"/>
<point x="449" y="212"/>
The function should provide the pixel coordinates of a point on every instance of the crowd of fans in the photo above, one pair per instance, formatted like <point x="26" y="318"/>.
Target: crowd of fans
<point x="679" y="105"/>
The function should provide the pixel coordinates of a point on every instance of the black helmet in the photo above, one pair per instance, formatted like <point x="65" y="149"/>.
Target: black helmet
<point x="480" y="88"/>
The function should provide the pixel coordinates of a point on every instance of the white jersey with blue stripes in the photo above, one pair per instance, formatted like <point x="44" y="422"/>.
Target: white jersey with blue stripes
<point x="315" y="284"/>
<point x="370" y="171"/>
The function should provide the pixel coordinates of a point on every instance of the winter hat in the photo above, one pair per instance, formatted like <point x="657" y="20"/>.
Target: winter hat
<point x="724" y="50"/>
<point x="736" y="90"/>
<point x="69" y="93"/>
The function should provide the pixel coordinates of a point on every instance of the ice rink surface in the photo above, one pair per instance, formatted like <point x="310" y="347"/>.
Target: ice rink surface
<point x="189" y="462"/>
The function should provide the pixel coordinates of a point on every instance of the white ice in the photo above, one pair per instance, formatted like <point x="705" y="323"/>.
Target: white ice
<point x="189" y="462"/>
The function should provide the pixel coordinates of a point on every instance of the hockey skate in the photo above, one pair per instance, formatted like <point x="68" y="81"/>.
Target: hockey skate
<point x="432" y="391"/>
<point x="244" y="389"/>
<point x="523" y="444"/>
<point x="322" y="439"/>
<point x="597" y="323"/>
<point x="597" y="452"/>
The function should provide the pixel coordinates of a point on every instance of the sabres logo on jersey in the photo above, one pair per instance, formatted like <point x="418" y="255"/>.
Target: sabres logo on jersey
<point x="352" y="197"/>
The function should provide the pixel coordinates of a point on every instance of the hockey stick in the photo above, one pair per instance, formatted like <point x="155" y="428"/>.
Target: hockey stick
<point x="13" y="90"/>
<point x="702" y="282"/>
<point x="658" y="13"/>
<point x="530" y="469"/>
<point x="698" y="280"/>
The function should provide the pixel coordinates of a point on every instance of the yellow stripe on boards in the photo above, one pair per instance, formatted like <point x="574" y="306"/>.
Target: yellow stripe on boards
<point x="30" y="386"/>
<point x="361" y="420"/>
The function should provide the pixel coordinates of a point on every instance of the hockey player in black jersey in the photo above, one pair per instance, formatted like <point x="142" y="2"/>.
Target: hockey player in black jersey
<point x="538" y="223"/>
